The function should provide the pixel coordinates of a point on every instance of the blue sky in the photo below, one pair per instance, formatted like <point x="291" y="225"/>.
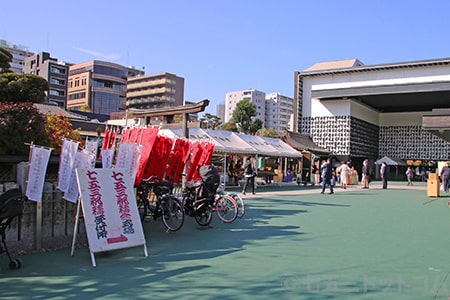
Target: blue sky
<point x="222" y="46"/>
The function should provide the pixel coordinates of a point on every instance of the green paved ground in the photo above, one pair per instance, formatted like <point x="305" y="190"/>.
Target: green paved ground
<point x="295" y="244"/>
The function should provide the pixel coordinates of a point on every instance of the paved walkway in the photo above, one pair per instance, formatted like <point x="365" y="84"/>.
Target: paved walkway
<point x="293" y="243"/>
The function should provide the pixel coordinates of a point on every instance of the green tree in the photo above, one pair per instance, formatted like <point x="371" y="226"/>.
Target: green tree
<point x="269" y="133"/>
<point x="22" y="88"/>
<point x="229" y="126"/>
<point x="210" y="121"/>
<point x="5" y="60"/>
<point x="242" y="117"/>
<point x="255" y="126"/>
<point x="20" y="123"/>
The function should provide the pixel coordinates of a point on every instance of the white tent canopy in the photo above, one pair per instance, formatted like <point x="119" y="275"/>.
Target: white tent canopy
<point x="228" y="142"/>
<point x="391" y="161"/>
<point x="259" y="144"/>
<point x="282" y="148"/>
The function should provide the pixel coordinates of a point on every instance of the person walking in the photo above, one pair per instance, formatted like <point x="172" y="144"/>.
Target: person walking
<point x="249" y="174"/>
<point x="327" y="175"/>
<point x="445" y="176"/>
<point x="365" y="174"/>
<point x="384" y="170"/>
<point x="409" y="175"/>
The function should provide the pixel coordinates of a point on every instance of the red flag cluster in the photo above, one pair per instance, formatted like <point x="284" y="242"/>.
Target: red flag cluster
<point x="166" y="158"/>
<point x="109" y="141"/>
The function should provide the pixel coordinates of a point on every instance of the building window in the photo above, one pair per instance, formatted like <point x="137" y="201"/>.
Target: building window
<point x="57" y="81"/>
<point x="57" y="93"/>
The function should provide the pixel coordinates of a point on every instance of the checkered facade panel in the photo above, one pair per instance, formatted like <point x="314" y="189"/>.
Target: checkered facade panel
<point x="412" y="142"/>
<point x="346" y="135"/>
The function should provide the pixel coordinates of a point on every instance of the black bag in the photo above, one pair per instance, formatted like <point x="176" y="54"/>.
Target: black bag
<point x="210" y="178"/>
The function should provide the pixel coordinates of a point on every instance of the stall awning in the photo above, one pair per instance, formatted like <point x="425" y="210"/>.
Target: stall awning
<point x="228" y="142"/>
<point x="262" y="147"/>
<point x="391" y="161"/>
<point x="303" y="142"/>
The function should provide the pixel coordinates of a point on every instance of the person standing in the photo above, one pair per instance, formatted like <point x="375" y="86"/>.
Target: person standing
<point x="445" y="176"/>
<point x="409" y="175"/>
<point x="384" y="170"/>
<point x="231" y="173"/>
<point x="345" y="174"/>
<point x="327" y="175"/>
<point x="249" y="174"/>
<point x="365" y="174"/>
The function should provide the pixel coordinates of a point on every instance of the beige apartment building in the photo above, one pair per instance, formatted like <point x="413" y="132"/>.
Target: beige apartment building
<point x="97" y="86"/>
<point x="155" y="91"/>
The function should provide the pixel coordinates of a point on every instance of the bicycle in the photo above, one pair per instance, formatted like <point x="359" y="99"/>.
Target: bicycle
<point x="237" y="198"/>
<point x="155" y="199"/>
<point x="200" y="203"/>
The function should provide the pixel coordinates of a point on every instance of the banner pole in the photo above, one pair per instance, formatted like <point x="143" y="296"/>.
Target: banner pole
<point x="225" y="171"/>
<point x="75" y="226"/>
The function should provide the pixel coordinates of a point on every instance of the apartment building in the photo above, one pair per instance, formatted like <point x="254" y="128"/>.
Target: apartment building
<point x="19" y="53"/>
<point x="279" y="112"/>
<point x="155" y="91"/>
<point x="97" y="86"/>
<point x="255" y="96"/>
<point x="54" y="71"/>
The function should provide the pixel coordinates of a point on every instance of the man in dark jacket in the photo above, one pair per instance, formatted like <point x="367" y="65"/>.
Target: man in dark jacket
<point x="249" y="173"/>
<point x="327" y="175"/>
<point x="384" y="171"/>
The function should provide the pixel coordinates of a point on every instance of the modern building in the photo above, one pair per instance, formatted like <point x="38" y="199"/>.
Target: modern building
<point x="155" y="91"/>
<point x="54" y="71"/>
<point x="97" y="86"/>
<point x="19" y="53"/>
<point x="357" y="111"/>
<point x="255" y="96"/>
<point x="279" y="112"/>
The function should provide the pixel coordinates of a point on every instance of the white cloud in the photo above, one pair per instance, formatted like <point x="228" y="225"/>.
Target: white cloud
<point x="96" y="54"/>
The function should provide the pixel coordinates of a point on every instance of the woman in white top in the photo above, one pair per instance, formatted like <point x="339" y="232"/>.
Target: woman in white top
<point x="345" y="172"/>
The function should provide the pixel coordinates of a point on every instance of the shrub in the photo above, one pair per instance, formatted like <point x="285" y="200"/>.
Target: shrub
<point x="20" y="123"/>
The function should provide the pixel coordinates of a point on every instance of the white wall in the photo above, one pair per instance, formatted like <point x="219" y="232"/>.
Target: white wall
<point x="330" y="108"/>
<point x="365" y="113"/>
<point x="401" y="119"/>
<point x="384" y="78"/>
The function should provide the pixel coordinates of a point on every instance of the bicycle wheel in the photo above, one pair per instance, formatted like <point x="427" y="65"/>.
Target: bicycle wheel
<point x="240" y="203"/>
<point x="172" y="213"/>
<point x="203" y="216"/>
<point x="226" y="208"/>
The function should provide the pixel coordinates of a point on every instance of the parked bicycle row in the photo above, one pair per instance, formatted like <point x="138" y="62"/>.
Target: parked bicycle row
<point x="199" y="199"/>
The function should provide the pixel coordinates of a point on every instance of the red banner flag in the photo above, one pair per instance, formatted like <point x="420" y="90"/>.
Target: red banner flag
<point x="106" y="139"/>
<point x="157" y="162"/>
<point x="197" y="151"/>
<point x="178" y="159"/>
<point x="149" y="136"/>
<point x="125" y="135"/>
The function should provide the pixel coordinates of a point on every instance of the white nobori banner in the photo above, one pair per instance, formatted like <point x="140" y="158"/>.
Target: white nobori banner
<point x="66" y="161"/>
<point x="85" y="160"/>
<point x="36" y="174"/>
